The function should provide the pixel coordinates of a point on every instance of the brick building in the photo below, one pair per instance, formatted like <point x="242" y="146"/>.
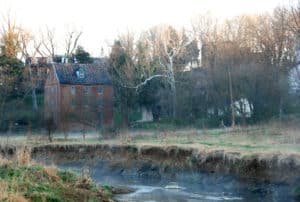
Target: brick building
<point x="81" y="94"/>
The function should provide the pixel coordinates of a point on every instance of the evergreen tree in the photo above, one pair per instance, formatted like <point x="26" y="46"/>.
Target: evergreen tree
<point x="82" y="56"/>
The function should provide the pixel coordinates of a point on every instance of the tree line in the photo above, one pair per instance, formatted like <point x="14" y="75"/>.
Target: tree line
<point x="240" y="70"/>
<point x="243" y="69"/>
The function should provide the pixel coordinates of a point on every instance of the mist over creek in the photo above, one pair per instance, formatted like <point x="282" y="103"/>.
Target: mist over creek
<point x="185" y="186"/>
<point x="174" y="173"/>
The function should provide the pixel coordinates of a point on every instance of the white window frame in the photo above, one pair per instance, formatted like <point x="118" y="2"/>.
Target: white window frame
<point x="73" y="90"/>
<point x="80" y="74"/>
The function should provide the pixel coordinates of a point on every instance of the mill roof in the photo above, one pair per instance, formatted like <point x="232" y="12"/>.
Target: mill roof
<point x="84" y="74"/>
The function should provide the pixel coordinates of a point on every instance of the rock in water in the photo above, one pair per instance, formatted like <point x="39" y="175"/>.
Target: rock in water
<point x="173" y="185"/>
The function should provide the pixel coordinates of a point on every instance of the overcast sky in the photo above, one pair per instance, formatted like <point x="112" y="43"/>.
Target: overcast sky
<point x="102" y="20"/>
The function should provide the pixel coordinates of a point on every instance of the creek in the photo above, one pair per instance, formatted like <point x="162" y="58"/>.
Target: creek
<point x="180" y="187"/>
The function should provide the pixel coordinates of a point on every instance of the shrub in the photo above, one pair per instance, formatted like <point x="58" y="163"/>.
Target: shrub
<point x="50" y="127"/>
<point x="67" y="176"/>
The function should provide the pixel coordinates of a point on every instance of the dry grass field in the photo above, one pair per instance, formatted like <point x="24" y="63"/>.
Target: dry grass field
<point x="272" y="137"/>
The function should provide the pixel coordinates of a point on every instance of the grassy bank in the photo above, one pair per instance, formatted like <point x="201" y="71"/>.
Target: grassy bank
<point x="271" y="137"/>
<point x="33" y="182"/>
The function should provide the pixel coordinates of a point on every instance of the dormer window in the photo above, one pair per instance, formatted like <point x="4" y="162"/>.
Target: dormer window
<point x="80" y="73"/>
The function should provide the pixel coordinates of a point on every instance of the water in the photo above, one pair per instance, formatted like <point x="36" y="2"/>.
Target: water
<point x="184" y="186"/>
<point x="156" y="193"/>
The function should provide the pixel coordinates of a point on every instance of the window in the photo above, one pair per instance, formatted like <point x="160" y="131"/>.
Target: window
<point x="100" y="89"/>
<point x="73" y="90"/>
<point x="86" y="90"/>
<point x="80" y="73"/>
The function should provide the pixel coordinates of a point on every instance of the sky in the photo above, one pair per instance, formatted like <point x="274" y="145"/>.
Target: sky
<point x="103" y="20"/>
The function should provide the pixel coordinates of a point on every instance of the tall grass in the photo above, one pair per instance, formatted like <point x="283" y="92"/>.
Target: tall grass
<point x="22" y="158"/>
<point x="23" y="180"/>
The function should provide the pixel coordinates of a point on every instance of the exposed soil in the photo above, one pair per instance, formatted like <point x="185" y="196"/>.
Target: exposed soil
<point x="155" y="161"/>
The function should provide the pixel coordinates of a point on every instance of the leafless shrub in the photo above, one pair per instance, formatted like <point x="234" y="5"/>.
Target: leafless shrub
<point x="125" y="137"/>
<point x="85" y="173"/>
<point x="83" y="133"/>
<point x="50" y="127"/>
<point x="23" y="156"/>
<point x="164" y="137"/>
<point x="51" y="172"/>
<point x="29" y="132"/>
<point x="85" y="179"/>
<point x="65" y="121"/>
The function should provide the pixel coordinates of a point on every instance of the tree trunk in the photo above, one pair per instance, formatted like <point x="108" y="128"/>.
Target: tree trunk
<point x="173" y="87"/>
<point x="124" y="113"/>
<point x="231" y="100"/>
<point x="33" y="92"/>
<point x="34" y="100"/>
<point x="280" y="108"/>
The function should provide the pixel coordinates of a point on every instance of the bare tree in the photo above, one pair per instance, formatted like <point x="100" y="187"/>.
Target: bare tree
<point x="30" y="48"/>
<point x="10" y="48"/>
<point x="173" y="43"/>
<point x="6" y="89"/>
<point x="71" y="42"/>
<point x="231" y="98"/>
<point x="48" y="46"/>
<point x="206" y="30"/>
<point x="164" y="45"/>
<point x="10" y="38"/>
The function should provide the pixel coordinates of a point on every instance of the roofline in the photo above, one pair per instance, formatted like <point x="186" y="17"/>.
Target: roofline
<point x="53" y="65"/>
<point x="86" y="84"/>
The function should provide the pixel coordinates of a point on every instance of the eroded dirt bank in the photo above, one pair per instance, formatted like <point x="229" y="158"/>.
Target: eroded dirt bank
<point x="155" y="161"/>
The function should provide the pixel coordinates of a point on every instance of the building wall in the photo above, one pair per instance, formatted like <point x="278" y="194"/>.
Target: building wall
<point x="51" y="96"/>
<point x="85" y="104"/>
<point x="63" y="106"/>
<point x="108" y="105"/>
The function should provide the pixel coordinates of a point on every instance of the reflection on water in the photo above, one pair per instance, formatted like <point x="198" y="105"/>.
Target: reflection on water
<point x="150" y="193"/>
<point x="185" y="187"/>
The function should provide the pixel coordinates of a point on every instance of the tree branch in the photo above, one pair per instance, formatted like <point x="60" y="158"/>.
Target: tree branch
<point x="146" y="81"/>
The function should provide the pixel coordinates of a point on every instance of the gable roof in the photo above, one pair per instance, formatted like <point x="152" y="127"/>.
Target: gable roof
<point x="94" y="74"/>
